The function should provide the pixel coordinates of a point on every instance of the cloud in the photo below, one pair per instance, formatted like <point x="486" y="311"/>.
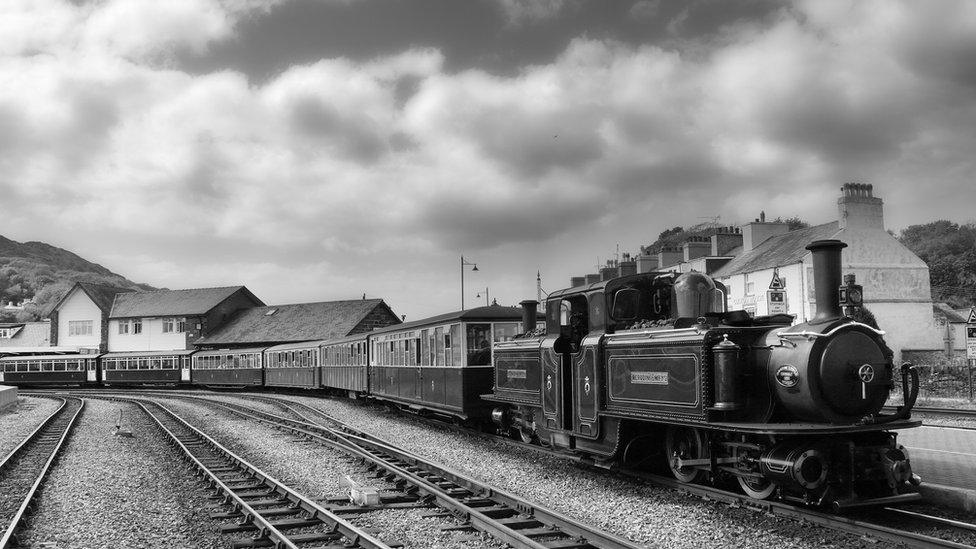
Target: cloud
<point x="388" y="166"/>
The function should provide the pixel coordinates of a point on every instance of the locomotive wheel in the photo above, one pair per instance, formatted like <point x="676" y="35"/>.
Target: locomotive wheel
<point x="756" y="488"/>
<point x="528" y="436"/>
<point x="685" y="443"/>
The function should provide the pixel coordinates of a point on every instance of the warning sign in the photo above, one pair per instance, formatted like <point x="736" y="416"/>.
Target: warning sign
<point x="776" y="283"/>
<point x="972" y="315"/>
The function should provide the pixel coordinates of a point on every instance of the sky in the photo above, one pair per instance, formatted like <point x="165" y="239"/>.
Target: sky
<point x="324" y="149"/>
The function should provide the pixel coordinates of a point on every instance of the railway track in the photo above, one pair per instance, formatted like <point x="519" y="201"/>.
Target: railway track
<point x="251" y="502"/>
<point x="506" y="517"/>
<point x="954" y="412"/>
<point x="24" y="469"/>
<point x="889" y="524"/>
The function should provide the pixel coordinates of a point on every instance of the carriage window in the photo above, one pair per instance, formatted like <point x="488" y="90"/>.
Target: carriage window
<point x="506" y="331"/>
<point x="479" y="344"/>
<point x="439" y="342"/>
<point x="59" y="366"/>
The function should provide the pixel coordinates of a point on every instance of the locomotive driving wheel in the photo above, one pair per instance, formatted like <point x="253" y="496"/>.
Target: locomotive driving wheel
<point x="756" y="488"/>
<point x="685" y="443"/>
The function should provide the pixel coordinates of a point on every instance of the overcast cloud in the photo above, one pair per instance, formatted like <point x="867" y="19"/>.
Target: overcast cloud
<point x="137" y="134"/>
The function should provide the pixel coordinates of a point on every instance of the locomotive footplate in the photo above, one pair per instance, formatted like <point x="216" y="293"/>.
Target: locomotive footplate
<point x="809" y="428"/>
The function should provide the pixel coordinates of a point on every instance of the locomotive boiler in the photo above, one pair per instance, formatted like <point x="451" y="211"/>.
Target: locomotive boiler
<point x="633" y="368"/>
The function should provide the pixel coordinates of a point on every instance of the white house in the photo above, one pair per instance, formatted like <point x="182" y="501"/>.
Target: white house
<point x="895" y="280"/>
<point x="79" y="321"/>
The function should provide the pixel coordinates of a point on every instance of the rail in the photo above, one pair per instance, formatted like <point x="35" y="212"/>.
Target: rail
<point x="33" y="458"/>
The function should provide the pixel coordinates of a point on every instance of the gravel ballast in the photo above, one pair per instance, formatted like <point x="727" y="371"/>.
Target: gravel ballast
<point x="636" y="510"/>
<point x="315" y="471"/>
<point x="22" y="419"/>
<point x="108" y="491"/>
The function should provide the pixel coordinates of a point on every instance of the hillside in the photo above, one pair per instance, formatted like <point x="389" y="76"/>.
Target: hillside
<point x="43" y="273"/>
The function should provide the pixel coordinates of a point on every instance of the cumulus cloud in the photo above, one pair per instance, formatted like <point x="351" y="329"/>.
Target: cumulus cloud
<point x="525" y="12"/>
<point x="390" y="164"/>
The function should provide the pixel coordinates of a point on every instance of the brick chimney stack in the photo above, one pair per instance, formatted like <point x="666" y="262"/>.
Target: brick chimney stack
<point x="859" y="208"/>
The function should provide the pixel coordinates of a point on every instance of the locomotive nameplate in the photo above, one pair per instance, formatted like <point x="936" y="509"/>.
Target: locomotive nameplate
<point x="647" y="381"/>
<point x="515" y="374"/>
<point x="649" y="378"/>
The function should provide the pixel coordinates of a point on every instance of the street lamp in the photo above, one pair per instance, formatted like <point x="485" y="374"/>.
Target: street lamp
<point x="475" y="268"/>
<point x="486" y="296"/>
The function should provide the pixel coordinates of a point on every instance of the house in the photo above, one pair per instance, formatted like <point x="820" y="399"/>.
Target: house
<point x="79" y="321"/>
<point x="895" y="280"/>
<point x="279" y="324"/>
<point x="167" y="320"/>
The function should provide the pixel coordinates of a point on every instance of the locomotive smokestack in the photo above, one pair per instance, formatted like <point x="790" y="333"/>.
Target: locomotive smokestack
<point x="826" y="278"/>
<point x="529" y="308"/>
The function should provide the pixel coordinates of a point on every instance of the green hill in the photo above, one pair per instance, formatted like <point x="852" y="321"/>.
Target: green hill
<point x="43" y="273"/>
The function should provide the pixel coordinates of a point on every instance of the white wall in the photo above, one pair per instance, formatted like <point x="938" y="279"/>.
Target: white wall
<point x="78" y="306"/>
<point x="152" y="337"/>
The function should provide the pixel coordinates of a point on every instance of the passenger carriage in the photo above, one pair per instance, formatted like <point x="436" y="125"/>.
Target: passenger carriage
<point x="237" y="368"/>
<point x="344" y="363"/>
<point x="50" y="370"/>
<point x="440" y="365"/>
<point x="293" y="365"/>
<point x="147" y="368"/>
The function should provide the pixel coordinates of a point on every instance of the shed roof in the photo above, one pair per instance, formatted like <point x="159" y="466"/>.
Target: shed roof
<point x="949" y="313"/>
<point x="293" y="323"/>
<point x="191" y="302"/>
<point x="777" y="251"/>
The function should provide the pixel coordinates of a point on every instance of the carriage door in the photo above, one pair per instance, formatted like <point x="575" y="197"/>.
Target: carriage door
<point x="184" y="363"/>
<point x="91" y="365"/>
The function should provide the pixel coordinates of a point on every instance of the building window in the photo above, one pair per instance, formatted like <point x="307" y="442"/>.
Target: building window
<point x="80" y="327"/>
<point x="750" y="285"/>
<point x="123" y="327"/>
<point x="137" y="326"/>
<point x="171" y="325"/>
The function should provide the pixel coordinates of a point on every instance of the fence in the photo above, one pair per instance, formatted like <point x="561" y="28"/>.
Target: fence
<point x="943" y="377"/>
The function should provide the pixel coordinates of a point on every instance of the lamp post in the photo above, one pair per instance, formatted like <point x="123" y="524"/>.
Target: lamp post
<point x="486" y="296"/>
<point x="475" y="268"/>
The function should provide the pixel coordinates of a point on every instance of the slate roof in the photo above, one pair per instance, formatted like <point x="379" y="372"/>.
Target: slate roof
<point x="194" y="302"/>
<point x="27" y="334"/>
<point x="293" y="323"/>
<point x="777" y="251"/>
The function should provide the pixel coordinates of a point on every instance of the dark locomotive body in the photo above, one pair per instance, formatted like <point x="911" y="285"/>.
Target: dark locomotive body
<point x="630" y="366"/>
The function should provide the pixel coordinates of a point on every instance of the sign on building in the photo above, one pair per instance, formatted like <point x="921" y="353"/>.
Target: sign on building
<point x="776" y="302"/>
<point x="971" y="335"/>
<point x="776" y="283"/>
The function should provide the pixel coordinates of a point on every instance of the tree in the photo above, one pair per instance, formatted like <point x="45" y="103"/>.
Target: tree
<point x="949" y="250"/>
<point x="792" y="223"/>
<point x="670" y="232"/>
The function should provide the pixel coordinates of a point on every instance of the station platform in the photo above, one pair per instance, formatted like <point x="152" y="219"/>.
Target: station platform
<point x="8" y="396"/>
<point x="945" y="458"/>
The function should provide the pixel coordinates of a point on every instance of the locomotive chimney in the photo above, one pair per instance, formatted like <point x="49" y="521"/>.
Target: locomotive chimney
<point x="529" y="308"/>
<point x="826" y="278"/>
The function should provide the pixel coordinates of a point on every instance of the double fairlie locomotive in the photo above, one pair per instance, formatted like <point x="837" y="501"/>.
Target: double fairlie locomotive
<point x="627" y="367"/>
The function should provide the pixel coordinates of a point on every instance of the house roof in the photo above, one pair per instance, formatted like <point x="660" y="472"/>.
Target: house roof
<point x="28" y="334"/>
<point x="194" y="302"/>
<point x="779" y="250"/>
<point x="100" y="294"/>
<point x="293" y="323"/>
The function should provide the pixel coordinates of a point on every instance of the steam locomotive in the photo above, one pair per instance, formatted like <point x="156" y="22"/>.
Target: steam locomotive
<point x="626" y="366"/>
